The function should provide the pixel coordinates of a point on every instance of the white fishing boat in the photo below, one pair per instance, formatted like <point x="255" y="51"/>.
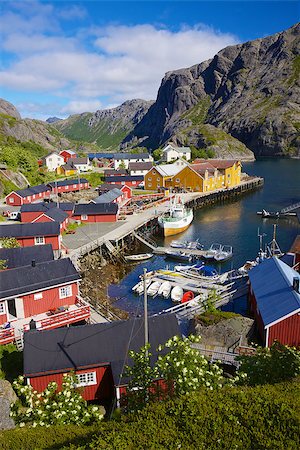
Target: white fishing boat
<point x="177" y="294"/>
<point x="225" y="254"/>
<point x="177" y="219"/>
<point x="139" y="287"/>
<point x="165" y="289"/>
<point x="213" y="250"/>
<point x="153" y="288"/>
<point x="138" y="258"/>
<point x="178" y="244"/>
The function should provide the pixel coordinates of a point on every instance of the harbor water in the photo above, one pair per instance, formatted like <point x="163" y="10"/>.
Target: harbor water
<point x="232" y="223"/>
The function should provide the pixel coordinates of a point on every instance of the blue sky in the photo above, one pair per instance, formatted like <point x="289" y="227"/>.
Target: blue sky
<point x="65" y="57"/>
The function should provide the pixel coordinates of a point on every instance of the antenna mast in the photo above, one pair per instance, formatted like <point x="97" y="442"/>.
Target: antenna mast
<point x="145" y="310"/>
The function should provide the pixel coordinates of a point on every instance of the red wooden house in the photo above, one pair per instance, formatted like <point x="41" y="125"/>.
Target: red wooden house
<point x="274" y="298"/>
<point x="28" y="234"/>
<point x="112" y="196"/>
<point x="96" y="212"/>
<point x="74" y="185"/>
<point x="28" y="195"/>
<point x="131" y="181"/>
<point x="22" y="256"/>
<point x="41" y="295"/>
<point x="105" y="187"/>
<point x="97" y="353"/>
<point x="67" y="154"/>
<point x="30" y="212"/>
<point x="54" y="215"/>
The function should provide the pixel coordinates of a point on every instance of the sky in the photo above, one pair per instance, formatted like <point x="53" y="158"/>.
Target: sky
<point x="67" y="57"/>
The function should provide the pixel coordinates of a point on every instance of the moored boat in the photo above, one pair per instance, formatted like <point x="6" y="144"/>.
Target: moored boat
<point x="177" y="219"/>
<point x="138" y="258"/>
<point x="139" y="287"/>
<point x="178" y="255"/>
<point x="212" y="251"/>
<point x="177" y="294"/>
<point x="225" y="254"/>
<point x="153" y="288"/>
<point x="165" y="289"/>
<point x="189" y="295"/>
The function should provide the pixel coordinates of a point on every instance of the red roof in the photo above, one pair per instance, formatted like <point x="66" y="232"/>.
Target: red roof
<point x="202" y="167"/>
<point x="217" y="163"/>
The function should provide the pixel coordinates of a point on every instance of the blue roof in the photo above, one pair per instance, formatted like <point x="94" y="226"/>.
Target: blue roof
<point x="272" y="284"/>
<point x="119" y="155"/>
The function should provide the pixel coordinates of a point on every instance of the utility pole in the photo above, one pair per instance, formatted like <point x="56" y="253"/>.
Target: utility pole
<point x="78" y="176"/>
<point x="56" y="189"/>
<point x="145" y="310"/>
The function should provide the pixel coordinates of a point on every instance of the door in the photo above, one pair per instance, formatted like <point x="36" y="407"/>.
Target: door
<point x="11" y="307"/>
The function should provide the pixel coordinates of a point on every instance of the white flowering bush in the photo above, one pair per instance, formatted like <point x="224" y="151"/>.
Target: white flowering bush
<point x="51" y="407"/>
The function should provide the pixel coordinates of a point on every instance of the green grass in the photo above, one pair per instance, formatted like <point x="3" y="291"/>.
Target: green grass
<point x="211" y="318"/>
<point x="6" y="186"/>
<point x="11" y="362"/>
<point x="94" y="178"/>
<point x="295" y="71"/>
<point x="198" y="113"/>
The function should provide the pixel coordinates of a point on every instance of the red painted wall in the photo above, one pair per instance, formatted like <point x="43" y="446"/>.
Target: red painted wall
<point x="97" y="218"/>
<point x="257" y="316"/>
<point x="44" y="218"/>
<point x="70" y="188"/>
<point x="287" y="331"/>
<point x="103" y="390"/>
<point x="127" y="191"/>
<point x="66" y="155"/>
<point x="3" y="318"/>
<point x="28" y="241"/>
<point x="30" y="216"/>
<point x="18" y="201"/>
<point x="50" y="300"/>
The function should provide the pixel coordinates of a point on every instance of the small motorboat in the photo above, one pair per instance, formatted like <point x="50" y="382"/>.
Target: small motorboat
<point x="138" y="258"/>
<point x="153" y="288"/>
<point x="225" y="254"/>
<point x="177" y="294"/>
<point x="189" y="295"/>
<point x="165" y="289"/>
<point x="180" y="255"/>
<point x="268" y="214"/>
<point x="139" y="287"/>
<point x="212" y="251"/>
<point x="178" y="244"/>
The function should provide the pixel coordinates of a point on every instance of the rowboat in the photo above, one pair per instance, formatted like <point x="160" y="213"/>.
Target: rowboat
<point x="177" y="294"/>
<point x="139" y="287"/>
<point x="153" y="288"/>
<point x="138" y="258"/>
<point x="189" y="295"/>
<point x="165" y="289"/>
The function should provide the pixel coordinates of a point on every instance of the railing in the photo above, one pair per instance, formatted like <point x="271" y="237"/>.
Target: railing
<point x="7" y="335"/>
<point x="64" y="318"/>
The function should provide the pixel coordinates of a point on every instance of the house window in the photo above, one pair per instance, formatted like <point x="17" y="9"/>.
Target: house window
<point x="158" y="179"/>
<point x="33" y="196"/>
<point x="2" y="308"/>
<point x="74" y="185"/>
<point x="177" y="180"/>
<point x="84" y="217"/>
<point x="65" y="291"/>
<point x="149" y="179"/>
<point x="86" y="379"/>
<point x="150" y="184"/>
<point x="11" y="200"/>
<point x="38" y="296"/>
<point x="39" y="240"/>
<point x="67" y="187"/>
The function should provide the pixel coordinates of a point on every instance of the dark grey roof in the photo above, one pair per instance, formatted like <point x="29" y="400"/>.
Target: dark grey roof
<point x="88" y="345"/>
<point x="105" y="187"/>
<point x="95" y="208"/>
<point x="75" y="161"/>
<point x="115" y="172"/>
<point x="108" y="197"/>
<point x="46" y="274"/>
<point x="67" y="182"/>
<point x="22" y="256"/>
<point x="30" y="229"/>
<point x="56" y="214"/>
<point x="101" y="155"/>
<point x="32" y="190"/>
<point x="140" y="165"/>
<point x="45" y="206"/>
<point x="131" y="156"/>
<point x="123" y="178"/>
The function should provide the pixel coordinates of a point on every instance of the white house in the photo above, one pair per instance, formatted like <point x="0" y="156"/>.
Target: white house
<point x="53" y="161"/>
<point x="81" y="164"/>
<point x="171" y="153"/>
<point x="123" y="159"/>
<point x="139" y="168"/>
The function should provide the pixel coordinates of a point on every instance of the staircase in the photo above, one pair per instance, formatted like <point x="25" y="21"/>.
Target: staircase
<point x="114" y="254"/>
<point x="145" y="240"/>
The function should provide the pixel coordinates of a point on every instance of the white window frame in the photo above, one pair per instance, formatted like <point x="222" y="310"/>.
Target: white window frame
<point x="84" y="217"/>
<point x="65" y="291"/>
<point x="2" y="308"/>
<point x="67" y="187"/>
<point x="11" y="200"/>
<point x="39" y="240"/>
<point x="74" y="185"/>
<point x="86" y="379"/>
<point x="38" y="296"/>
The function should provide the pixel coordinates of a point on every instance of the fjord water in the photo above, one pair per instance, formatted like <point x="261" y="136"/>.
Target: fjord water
<point x="232" y="223"/>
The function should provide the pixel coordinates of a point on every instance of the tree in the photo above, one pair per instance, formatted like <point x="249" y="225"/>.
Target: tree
<point x="51" y="407"/>
<point x="157" y="154"/>
<point x="270" y="365"/>
<point x="9" y="243"/>
<point x="3" y="264"/>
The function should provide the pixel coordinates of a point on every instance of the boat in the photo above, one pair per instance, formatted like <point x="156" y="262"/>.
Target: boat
<point x="153" y="288"/>
<point x="177" y="294"/>
<point x="139" y="287"/>
<point x="225" y="254"/>
<point x="189" y="295"/>
<point x="213" y="250"/>
<point x="191" y="245"/>
<point x="138" y="258"/>
<point x="268" y="215"/>
<point x="177" y="219"/>
<point x="179" y="255"/>
<point x="178" y="244"/>
<point x="203" y="273"/>
<point x="165" y="289"/>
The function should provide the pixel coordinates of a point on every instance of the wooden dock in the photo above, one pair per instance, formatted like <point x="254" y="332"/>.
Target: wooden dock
<point x="195" y="253"/>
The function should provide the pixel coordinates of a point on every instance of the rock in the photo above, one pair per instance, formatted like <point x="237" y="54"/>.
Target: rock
<point x="7" y="396"/>
<point x="9" y="109"/>
<point x="53" y="119"/>
<point x="254" y="95"/>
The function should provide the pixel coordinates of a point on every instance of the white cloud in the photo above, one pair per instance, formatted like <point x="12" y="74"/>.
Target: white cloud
<point x="80" y="106"/>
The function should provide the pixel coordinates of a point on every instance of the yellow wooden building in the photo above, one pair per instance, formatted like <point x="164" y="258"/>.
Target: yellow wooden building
<point x="161" y="176"/>
<point x="196" y="178"/>
<point x="66" y="170"/>
<point x="228" y="171"/>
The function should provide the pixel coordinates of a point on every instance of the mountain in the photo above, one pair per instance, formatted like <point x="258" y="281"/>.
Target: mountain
<point x="249" y="92"/>
<point x="26" y="130"/>
<point x="105" y="128"/>
<point x="53" y="119"/>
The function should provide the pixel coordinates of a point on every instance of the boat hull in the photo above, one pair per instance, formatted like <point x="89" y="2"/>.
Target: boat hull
<point x="175" y="227"/>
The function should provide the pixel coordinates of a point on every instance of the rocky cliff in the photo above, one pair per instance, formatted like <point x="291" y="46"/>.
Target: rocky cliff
<point x="106" y="128"/>
<point x="250" y="91"/>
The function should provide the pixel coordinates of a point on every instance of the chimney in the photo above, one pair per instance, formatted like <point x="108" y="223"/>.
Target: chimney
<point x="296" y="284"/>
<point x="33" y="263"/>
